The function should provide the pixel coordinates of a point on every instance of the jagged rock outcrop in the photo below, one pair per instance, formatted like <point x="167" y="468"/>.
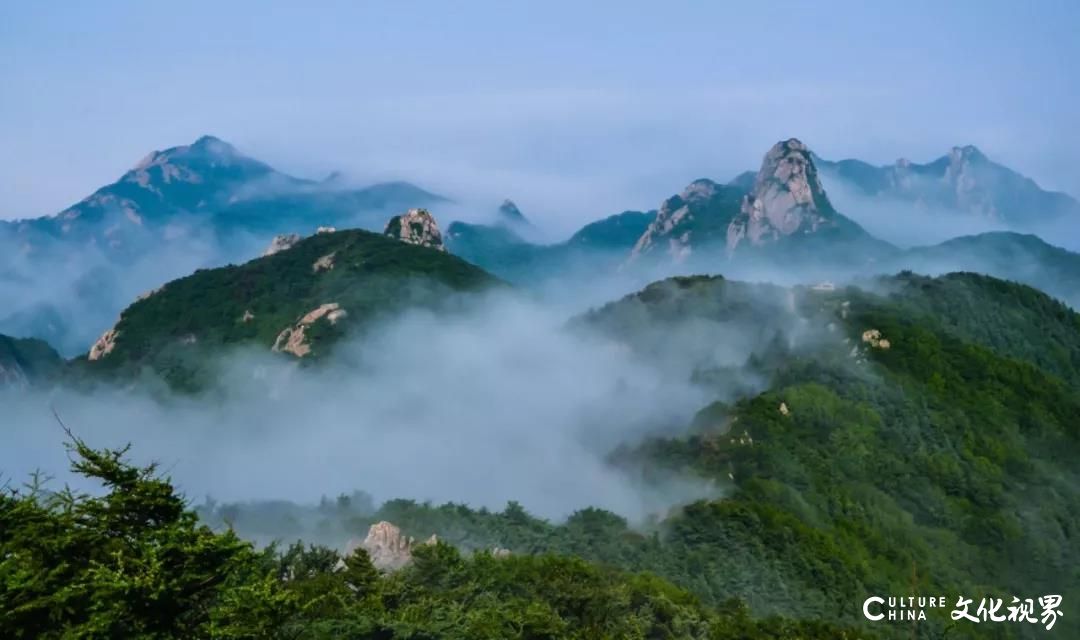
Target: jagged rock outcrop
<point x="416" y="226"/>
<point x="388" y="548"/>
<point x="787" y="198"/>
<point x="104" y="345"/>
<point x="697" y="216"/>
<point x="282" y="242"/>
<point x="873" y="338"/>
<point x="325" y="263"/>
<point x="294" y="339"/>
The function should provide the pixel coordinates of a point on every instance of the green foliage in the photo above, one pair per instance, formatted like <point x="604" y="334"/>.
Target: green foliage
<point x="1014" y="320"/>
<point x="174" y="332"/>
<point x="939" y="466"/>
<point x="135" y="563"/>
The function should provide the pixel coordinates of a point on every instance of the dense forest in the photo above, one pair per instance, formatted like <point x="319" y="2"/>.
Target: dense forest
<point x="135" y="562"/>
<point x="914" y="436"/>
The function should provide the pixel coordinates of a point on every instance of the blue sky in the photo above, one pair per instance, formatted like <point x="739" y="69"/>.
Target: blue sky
<point x="574" y="109"/>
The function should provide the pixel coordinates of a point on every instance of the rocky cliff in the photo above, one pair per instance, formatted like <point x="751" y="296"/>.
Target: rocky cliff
<point x="787" y="198"/>
<point x="416" y="226"/>
<point x="696" y="217"/>
<point x="387" y="546"/>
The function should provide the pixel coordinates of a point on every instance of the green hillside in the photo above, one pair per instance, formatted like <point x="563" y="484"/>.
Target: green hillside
<point x="938" y="462"/>
<point x="174" y="330"/>
<point x="914" y="437"/>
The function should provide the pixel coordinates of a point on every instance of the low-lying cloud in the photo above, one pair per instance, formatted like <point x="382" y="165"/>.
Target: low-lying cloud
<point x="496" y="404"/>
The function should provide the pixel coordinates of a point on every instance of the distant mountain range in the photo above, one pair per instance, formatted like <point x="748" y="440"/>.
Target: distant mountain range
<point x="777" y="221"/>
<point x="206" y="204"/>
<point x="875" y="434"/>
<point x="963" y="181"/>
<point x="208" y="181"/>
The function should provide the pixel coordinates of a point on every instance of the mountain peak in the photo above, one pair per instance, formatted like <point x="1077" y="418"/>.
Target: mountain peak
<point x="211" y="142"/>
<point x="509" y="213"/>
<point x="700" y="189"/>
<point x="416" y="226"/>
<point x="787" y="197"/>
<point x="968" y="153"/>
<point x="691" y="218"/>
<point x="207" y="150"/>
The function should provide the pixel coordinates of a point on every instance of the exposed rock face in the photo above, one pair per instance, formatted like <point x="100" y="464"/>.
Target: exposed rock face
<point x="325" y="263"/>
<point x="692" y="217"/>
<point x="104" y="345"/>
<point x="787" y="198"/>
<point x="282" y="243"/>
<point x="388" y="547"/>
<point x="168" y="170"/>
<point x="294" y="340"/>
<point x="967" y="185"/>
<point x="873" y="338"/>
<point x="416" y="226"/>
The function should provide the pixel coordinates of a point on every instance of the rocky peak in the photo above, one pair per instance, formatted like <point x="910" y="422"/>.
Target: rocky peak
<point x="416" y="226"/>
<point x="967" y="180"/>
<point x="387" y="546"/>
<point x="677" y="221"/>
<point x="206" y="148"/>
<point x="787" y="197"/>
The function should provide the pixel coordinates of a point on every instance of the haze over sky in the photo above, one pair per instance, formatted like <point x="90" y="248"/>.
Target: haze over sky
<point x="575" y="110"/>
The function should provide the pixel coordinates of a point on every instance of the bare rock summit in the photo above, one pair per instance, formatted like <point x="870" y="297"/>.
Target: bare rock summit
<point x="787" y="198"/>
<point x="416" y="226"/>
